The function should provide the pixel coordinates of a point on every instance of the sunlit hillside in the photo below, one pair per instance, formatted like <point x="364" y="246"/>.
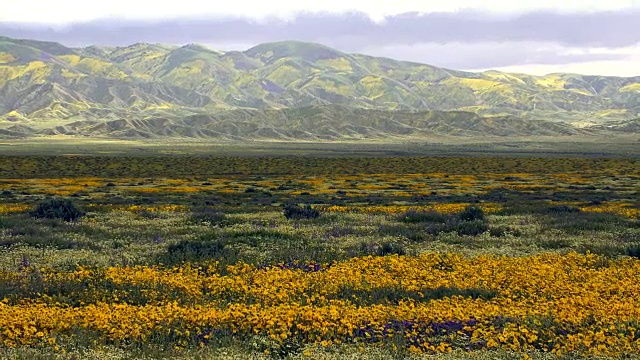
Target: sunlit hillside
<point x="47" y="88"/>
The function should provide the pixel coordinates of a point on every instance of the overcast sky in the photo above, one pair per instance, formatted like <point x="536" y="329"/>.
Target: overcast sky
<point x="543" y="36"/>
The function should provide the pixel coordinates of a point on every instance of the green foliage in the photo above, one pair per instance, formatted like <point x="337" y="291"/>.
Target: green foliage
<point x="412" y="217"/>
<point x="633" y="250"/>
<point x="462" y="228"/>
<point x="208" y="216"/>
<point x="286" y="349"/>
<point x="194" y="251"/>
<point x="612" y="249"/>
<point x="472" y="213"/>
<point x="412" y="232"/>
<point x="294" y="211"/>
<point x="471" y="227"/>
<point x="500" y="231"/>
<point x="578" y="222"/>
<point x="563" y="209"/>
<point x="469" y="222"/>
<point x="555" y="244"/>
<point x="390" y="248"/>
<point x="63" y="209"/>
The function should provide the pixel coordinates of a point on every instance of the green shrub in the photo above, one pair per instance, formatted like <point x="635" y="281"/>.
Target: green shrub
<point x="437" y="228"/>
<point x="471" y="221"/>
<point x="414" y="233"/>
<point x="195" y="250"/>
<point x="524" y="207"/>
<point x="389" y="248"/>
<point x="554" y="243"/>
<point x="413" y="216"/>
<point x="562" y="209"/>
<point x="579" y="222"/>
<point x="294" y="211"/>
<point x="58" y="209"/>
<point x="501" y="231"/>
<point x="151" y="215"/>
<point x="208" y="216"/>
<point x="472" y="228"/>
<point x="633" y="250"/>
<point x="472" y="213"/>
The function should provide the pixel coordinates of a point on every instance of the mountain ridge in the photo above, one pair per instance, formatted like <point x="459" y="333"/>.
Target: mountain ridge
<point x="46" y="85"/>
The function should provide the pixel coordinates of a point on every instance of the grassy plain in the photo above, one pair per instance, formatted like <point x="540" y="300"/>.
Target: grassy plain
<point x="190" y="256"/>
<point x="618" y="145"/>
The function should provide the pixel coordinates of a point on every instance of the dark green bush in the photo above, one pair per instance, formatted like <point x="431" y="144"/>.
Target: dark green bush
<point x="633" y="250"/>
<point x="58" y="209"/>
<point x="524" y="207"/>
<point x="579" y="222"/>
<point x="554" y="244"/>
<point x="338" y="231"/>
<point x="389" y="248"/>
<point x="471" y="222"/>
<point x="472" y="228"/>
<point x="437" y="228"/>
<point x="294" y="211"/>
<point x="562" y="209"/>
<point x="414" y="233"/>
<point x="150" y="215"/>
<point x="195" y="250"/>
<point x="209" y="216"/>
<point x="472" y="213"/>
<point x="469" y="228"/>
<point x="413" y="216"/>
<point x="501" y="231"/>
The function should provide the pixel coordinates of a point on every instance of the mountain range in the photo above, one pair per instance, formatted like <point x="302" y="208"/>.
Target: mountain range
<point x="289" y="90"/>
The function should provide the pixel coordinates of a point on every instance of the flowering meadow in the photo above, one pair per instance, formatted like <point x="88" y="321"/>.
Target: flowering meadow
<point x="428" y="303"/>
<point x="288" y="258"/>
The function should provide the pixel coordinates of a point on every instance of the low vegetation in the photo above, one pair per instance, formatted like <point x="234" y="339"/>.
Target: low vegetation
<point x="376" y="258"/>
<point x="63" y="209"/>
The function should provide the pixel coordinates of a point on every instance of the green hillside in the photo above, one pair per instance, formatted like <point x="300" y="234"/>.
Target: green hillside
<point x="46" y="86"/>
<point x="313" y="123"/>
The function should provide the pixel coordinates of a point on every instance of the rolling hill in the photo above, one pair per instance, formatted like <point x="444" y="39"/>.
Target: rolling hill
<point x="326" y="122"/>
<point x="287" y="90"/>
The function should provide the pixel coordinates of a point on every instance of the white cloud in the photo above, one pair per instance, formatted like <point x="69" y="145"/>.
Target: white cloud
<point x="60" y="12"/>
<point x="551" y="43"/>
<point x="625" y="68"/>
<point x="531" y="57"/>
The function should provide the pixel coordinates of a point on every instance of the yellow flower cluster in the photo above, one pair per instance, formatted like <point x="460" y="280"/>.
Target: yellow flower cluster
<point x="13" y="208"/>
<point x="613" y="207"/>
<point x="16" y="208"/>
<point x="138" y="208"/>
<point x="399" y="209"/>
<point x="624" y="209"/>
<point x="168" y="189"/>
<point x="572" y="303"/>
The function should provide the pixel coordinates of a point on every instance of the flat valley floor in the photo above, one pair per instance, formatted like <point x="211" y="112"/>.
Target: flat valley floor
<point x="485" y="250"/>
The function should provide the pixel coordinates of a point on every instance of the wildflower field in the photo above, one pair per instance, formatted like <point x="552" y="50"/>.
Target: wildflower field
<point x="200" y="257"/>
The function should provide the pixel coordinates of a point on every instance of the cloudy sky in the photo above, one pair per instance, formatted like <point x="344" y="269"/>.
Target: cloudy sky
<point x="542" y="36"/>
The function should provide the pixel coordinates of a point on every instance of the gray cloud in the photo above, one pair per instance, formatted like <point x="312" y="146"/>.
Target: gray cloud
<point x="488" y="54"/>
<point x="604" y="29"/>
<point x="466" y="39"/>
